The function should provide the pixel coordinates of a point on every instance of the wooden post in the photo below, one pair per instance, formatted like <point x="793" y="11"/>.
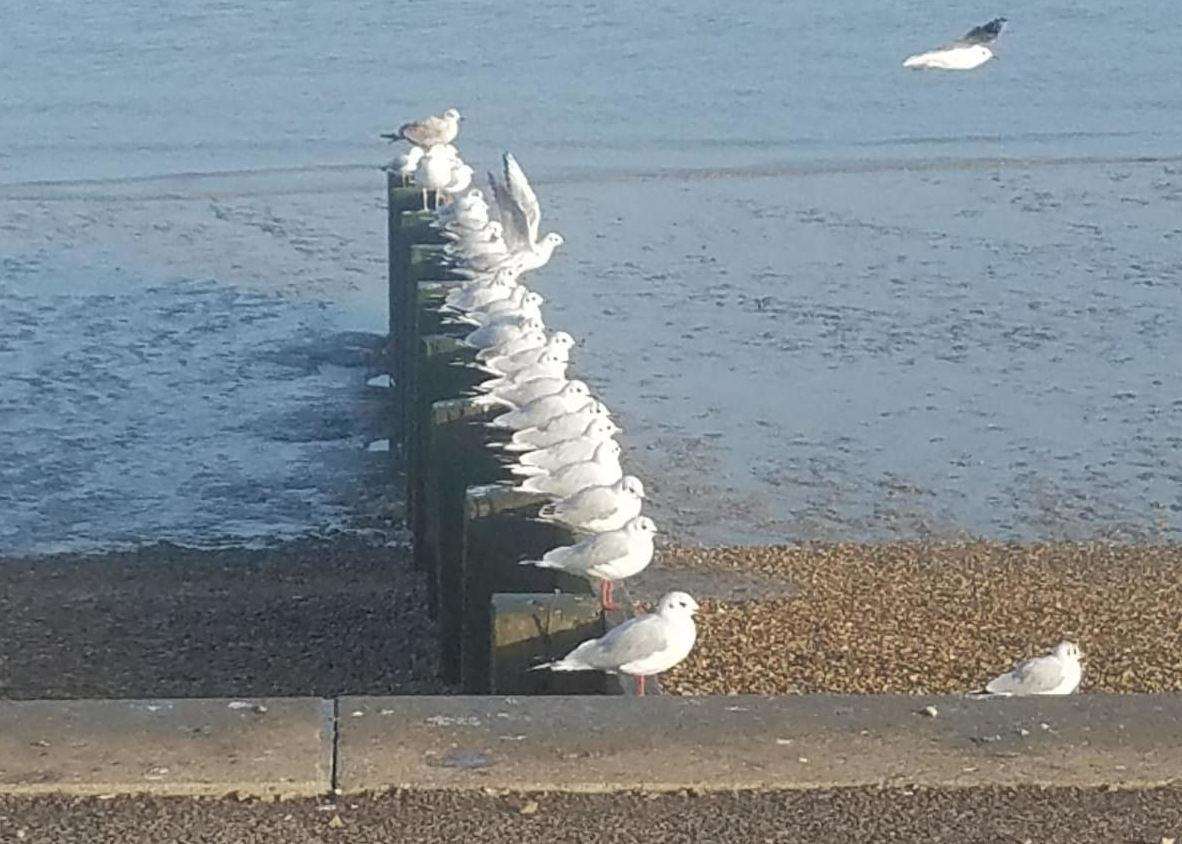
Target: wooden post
<point x="441" y="373"/>
<point x="528" y="630"/>
<point x="398" y="199"/>
<point x="458" y="455"/>
<point x="500" y="530"/>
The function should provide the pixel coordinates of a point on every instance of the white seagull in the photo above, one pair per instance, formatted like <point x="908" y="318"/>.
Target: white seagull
<point x="541" y="410"/>
<point x="602" y="468"/>
<point x="964" y="54"/>
<point x="521" y="214"/>
<point x="641" y="646"/>
<point x="557" y="428"/>
<point x="506" y="365"/>
<point x="607" y="557"/>
<point x="1056" y="673"/>
<point x="582" y="447"/>
<point x="434" y="172"/>
<point x="405" y="164"/>
<point x="598" y="508"/>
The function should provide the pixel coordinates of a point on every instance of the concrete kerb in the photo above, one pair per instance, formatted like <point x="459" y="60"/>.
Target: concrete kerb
<point x="270" y="747"/>
<point x="284" y="747"/>
<point x="601" y="744"/>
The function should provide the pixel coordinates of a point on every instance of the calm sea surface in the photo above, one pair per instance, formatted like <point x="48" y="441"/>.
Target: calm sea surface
<point x="828" y="297"/>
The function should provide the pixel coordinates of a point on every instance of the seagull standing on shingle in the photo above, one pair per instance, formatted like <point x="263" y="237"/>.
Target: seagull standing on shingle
<point x="430" y="131"/>
<point x="641" y="646"/>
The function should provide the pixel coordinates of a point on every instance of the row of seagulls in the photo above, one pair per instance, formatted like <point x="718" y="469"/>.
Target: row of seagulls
<point x="967" y="52"/>
<point x="560" y="437"/>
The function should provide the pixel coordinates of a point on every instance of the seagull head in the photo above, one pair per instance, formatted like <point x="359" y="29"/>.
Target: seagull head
<point x="576" y="388"/>
<point x="641" y="524"/>
<point x="1068" y="650"/>
<point x="606" y="450"/>
<point x="631" y="485"/>
<point x="553" y="240"/>
<point x="560" y="340"/>
<point x="600" y="428"/>
<point x="677" y="604"/>
<point x="453" y="115"/>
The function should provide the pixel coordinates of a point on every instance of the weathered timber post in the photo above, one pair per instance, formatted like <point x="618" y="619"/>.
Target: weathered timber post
<point x="459" y="456"/>
<point x="417" y="255"/>
<point x="398" y="199"/>
<point x="529" y="629"/>
<point x="442" y="371"/>
<point x="500" y="529"/>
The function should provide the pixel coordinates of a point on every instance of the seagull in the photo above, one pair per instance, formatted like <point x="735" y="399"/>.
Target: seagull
<point x="506" y="365"/>
<point x="602" y="468"/>
<point x="577" y="448"/>
<point x="461" y="180"/>
<point x="557" y="428"/>
<point x="520" y="395"/>
<point x="1056" y="673"/>
<point x="406" y="163"/>
<point x="549" y="364"/>
<point x="598" y="508"/>
<point x="521" y="215"/>
<point x="501" y="331"/>
<point x="607" y="557"/>
<point x="473" y="294"/>
<point x="533" y="339"/>
<point x="426" y="133"/>
<point x="641" y="646"/>
<point x="968" y="52"/>
<point x="434" y="172"/>
<point x="541" y="410"/>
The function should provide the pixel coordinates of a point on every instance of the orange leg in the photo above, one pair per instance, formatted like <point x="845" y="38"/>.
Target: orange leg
<point x="605" y="595"/>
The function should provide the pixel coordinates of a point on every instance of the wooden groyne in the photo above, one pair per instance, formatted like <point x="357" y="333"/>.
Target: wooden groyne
<point x="470" y="527"/>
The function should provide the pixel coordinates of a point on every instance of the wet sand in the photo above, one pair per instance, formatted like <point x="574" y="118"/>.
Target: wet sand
<point x="853" y="351"/>
<point x="915" y="618"/>
<point x="857" y="814"/>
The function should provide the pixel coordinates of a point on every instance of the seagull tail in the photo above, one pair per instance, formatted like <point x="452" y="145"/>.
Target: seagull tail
<point x="392" y="136"/>
<point x="560" y="665"/>
<point x="542" y="564"/>
<point x="527" y="471"/>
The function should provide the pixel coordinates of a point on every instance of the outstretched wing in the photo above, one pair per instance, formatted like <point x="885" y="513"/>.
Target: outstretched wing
<point x="985" y="34"/>
<point x="1032" y="677"/>
<point x="515" y="230"/>
<point x="523" y="196"/>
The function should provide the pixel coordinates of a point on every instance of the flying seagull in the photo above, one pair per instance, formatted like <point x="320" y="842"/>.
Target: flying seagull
<point x="966" y="53"/>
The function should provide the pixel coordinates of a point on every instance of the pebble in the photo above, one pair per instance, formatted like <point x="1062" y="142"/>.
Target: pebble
<point x="925" y="618"/>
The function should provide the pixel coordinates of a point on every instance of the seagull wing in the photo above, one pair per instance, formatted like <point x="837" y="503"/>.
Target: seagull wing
<point x="635" y="639"/>
<point x="985" y="34"/>
<point x="515" y="229"/>
<point x="523" y="196"/>
<point x="1032" y="677"/>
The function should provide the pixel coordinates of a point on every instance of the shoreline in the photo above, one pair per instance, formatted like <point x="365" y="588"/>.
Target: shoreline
<point x="345" y="616"/>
